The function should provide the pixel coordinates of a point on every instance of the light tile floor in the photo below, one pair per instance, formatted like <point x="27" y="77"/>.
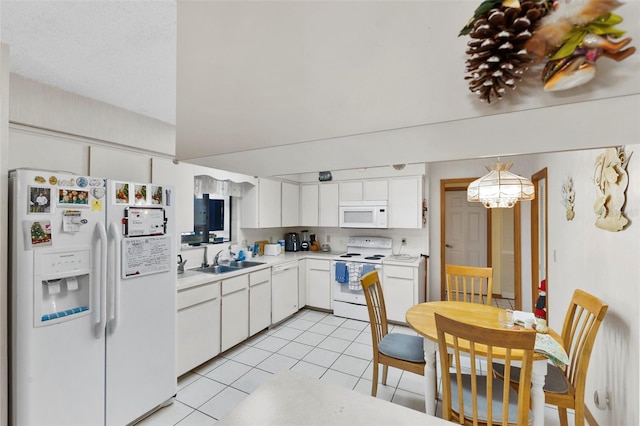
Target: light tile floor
<point x="313" y="343"/>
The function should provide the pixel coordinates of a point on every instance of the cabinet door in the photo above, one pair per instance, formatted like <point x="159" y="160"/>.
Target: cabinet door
<point x="198" y="326"/>
<point x="181" y="176"/>
<point x="399" y="285"/>
<point x="351" y="191"/>
<point x="234" y="311"/>
<point x="328" y="205"/>
<point x="319" y="283"/>
<point x="259" y="307"/>
<point x="235" y="319"/>
<point x="376" y="190"/>
<point x="405" y="202"/>
<point x="309" y="205"/>
<point x="270" y="203"/>
<point x="290" y="204"/>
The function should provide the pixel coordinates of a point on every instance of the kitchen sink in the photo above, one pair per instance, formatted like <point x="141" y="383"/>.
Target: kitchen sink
<point x="244" y="263"/>
<point x="232" y="266"/>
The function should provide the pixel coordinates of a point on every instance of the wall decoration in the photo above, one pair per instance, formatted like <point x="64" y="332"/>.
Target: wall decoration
<point x="571" y="35"/>
<point x="568" y="198"/>
<point x="497" y="58"/>
<point x="611" y="180"/>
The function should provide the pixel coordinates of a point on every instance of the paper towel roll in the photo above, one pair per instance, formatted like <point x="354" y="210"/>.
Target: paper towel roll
<point x="72" y="283"/>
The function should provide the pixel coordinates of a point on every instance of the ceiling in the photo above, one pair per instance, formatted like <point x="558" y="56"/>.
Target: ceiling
<point x="282" y="87"/>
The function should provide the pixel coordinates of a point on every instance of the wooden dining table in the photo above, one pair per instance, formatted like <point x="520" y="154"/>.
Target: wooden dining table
<point x="421" y="318"/>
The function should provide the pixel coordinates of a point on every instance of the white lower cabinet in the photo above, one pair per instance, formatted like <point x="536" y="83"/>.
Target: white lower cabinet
<point x="198" y="325"/>
<point x="234" y="311"/>
<point x="319" y="283"/>
<point x="403" y="288"/>
<point x="259" y="300"/>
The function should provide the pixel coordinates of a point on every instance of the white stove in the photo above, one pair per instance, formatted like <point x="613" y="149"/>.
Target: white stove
<point x="363" y="255"/>
<point x="366" y="249"/>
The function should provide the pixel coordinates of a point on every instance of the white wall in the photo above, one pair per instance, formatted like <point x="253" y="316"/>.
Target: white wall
<point x="602" y="263"/>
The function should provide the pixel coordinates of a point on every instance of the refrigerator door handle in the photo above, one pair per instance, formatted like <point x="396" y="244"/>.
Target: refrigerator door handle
<point x="114" y="238"/>
<point x="100" y="298"/>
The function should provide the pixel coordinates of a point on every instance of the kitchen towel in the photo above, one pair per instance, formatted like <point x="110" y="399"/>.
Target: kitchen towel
<point x="355" y="272"/>
<point x="367" y="268"/>
<point x="342" y="274"/>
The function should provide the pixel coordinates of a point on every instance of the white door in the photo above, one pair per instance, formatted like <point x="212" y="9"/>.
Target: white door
<point x="465" y="230"/>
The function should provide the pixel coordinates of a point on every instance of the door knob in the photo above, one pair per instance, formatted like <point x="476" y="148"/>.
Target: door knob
<point x="448" y="246"/>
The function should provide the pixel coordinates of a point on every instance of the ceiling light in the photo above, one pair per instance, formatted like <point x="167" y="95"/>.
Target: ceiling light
<point x="500" y="188"/>
<point x="399" y="166"/>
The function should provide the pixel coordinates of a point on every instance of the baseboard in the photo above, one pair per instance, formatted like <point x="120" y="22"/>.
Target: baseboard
<point x="589" y="417"/>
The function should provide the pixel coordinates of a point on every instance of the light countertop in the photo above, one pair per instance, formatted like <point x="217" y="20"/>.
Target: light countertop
<point x="191" y="277"/>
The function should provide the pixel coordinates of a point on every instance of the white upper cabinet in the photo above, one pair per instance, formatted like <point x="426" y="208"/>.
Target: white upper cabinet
<point x="290" y="204"/>
<point x="376" y="190"/>
<point x="368" y="190"/>
<point x="164" y="171"/>
<point x="309" y="204"/>
<point x="329" y="213"/>
<point x="262" y="204"/>
<point x="405" y="202"/>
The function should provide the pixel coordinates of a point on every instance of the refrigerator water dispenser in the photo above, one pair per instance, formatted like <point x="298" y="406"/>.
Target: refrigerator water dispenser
<point x="62" y="287"/>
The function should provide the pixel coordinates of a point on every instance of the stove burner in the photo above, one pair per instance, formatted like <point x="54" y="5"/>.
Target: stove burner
<point x="376" y="257"/>
<point x="346" y="255"/>
<point x="352" y="254"/>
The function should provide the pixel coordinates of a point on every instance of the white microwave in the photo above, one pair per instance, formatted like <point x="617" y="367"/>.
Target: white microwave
<point x="363" y="214"/>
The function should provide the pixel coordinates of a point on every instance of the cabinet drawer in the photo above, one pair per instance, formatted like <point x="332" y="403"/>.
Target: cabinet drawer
<point x="259" y="276"/>
<point x="319" y="265"/>
<point x="235" y="284"/>
<point x="398" y="272"/>
<point x="194" y="295"/>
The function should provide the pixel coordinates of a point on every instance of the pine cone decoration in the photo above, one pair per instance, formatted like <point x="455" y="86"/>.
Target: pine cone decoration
<point x="497" y="57"/>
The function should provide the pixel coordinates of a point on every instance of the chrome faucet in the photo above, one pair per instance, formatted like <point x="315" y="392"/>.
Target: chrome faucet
<point x="205" y="261"/>
<point x="231" y="253"/>
<point x="215" y="259"/>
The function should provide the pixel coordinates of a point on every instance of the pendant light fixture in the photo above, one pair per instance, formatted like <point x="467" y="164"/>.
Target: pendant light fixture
<point x="500" y="188"/>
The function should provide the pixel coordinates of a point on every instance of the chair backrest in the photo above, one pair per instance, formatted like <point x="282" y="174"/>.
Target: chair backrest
<point x="484" y="344"/>
<point x="375" y="304"/>
<point x="469" y="283"/>
<point x="581" y="324"/>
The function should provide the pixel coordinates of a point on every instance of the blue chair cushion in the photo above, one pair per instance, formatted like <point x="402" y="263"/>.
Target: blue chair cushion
<point x="402" y="346"/>
<point x="482" y="399"/>
<point x="554" y="382"/>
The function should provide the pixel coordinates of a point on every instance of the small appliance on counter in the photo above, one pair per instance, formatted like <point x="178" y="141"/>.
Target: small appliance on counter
<point x="292" y="242"/>
<point x="272" y="249"/>
<point x="305" y="244"/>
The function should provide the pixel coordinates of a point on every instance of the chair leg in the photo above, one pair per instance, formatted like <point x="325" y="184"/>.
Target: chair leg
<point x="579" y="414"/>
<point x="374" y="382"/>
<point x="385" y="368"/>
<point x="562" y="413"/>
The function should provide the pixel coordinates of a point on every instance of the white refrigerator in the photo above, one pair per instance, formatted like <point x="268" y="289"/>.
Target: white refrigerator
<point x="93" y="299"/>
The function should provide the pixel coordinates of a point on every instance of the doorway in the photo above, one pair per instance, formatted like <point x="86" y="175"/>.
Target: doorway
<point x="472" y="235"/>
<point x="539" y="252"/>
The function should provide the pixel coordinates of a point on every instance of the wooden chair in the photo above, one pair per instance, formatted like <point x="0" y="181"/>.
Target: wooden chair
<point x="464" y="396"/>
<point x="398" y="350"/>
<point x="565" y="388"/>
<point x="469" y="283"/>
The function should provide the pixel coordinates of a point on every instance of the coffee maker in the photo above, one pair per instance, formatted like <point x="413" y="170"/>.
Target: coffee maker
<point x="305" y="244"/>
<point x="291" y="242"/>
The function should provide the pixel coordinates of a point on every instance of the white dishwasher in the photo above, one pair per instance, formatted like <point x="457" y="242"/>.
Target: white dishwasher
<point x="284" y="290"/>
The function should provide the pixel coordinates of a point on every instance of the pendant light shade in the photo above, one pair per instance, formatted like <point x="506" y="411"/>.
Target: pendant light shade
<point x="500" y="188"/>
